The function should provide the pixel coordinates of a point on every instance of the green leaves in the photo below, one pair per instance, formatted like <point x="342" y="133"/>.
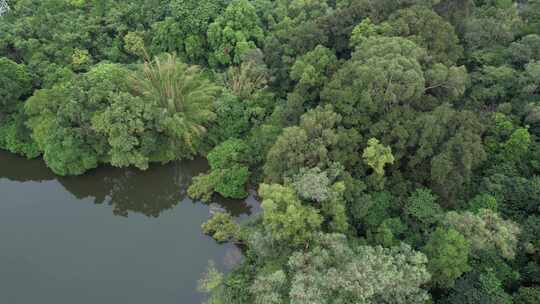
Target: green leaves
<point x="285" y="218"/>
<point x="423" y="209"/>
<point x="448" y="252"/>
<point x="111" y="114"/>
<point x="15" y="81"/>
<point x="228" y="175"/>
<point x="334" y="271"/>
<point x="486" y="231"/>
<point x="377" y="156"/>
<point x="384" y="72"/>
<point x="234" y="33"/>
<point x="61" y="118"/>
<point x="184" y="104"/>
<point x="222" y="228"/>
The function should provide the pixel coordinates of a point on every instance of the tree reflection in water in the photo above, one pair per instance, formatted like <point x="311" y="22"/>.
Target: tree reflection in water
<point x="127" y="190"/>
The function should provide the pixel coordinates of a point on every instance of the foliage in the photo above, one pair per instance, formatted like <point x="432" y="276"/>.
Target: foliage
<point x="228" y="174"/>
<point x="527" y="295"/>
<point x="486" y="231"/>
<point x="384" y="72"/>
<point x="305" y="146"/>
<point x="184" y="30"/>
<point x="388" y="122"/>
<point x="185" y="99"/>
<point x="483" y="201"/>
<point x="422" y="207"/>
<point x="222" y="227"/>
<point x="430" y="31"/>
<point x="377" y="156"/>
<point x="285" y="218"/>
<point x="478" y="288"/>
<point x="334" y="271"/>
<point x="233" y="33"/>
<point x="61" y="118"/>
<point x="15" y="81"/>
<point x="448" y="253"/>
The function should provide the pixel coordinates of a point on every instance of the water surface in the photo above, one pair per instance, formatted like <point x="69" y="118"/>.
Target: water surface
<point x="110" y="236"/>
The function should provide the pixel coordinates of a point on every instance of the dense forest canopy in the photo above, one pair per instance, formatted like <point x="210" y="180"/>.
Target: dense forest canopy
<point x="394" y="143"/>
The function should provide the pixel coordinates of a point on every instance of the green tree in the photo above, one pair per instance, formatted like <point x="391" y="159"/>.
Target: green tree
<point x="285" y="218"/>
<point x="308" y="145"/>
<point x="440" y="133"/>
<point x="422" y="208"/>
<point x="233" y="33"/>
<point x="527" y="295"/>
<point x="517" y="146"/>
<point x="367" y="29"/>
<point x="61" y="118"/>
<point x="184" y="31"/>
<point x="483" y="201"/>
<point x="486" y="231"/>
<point x="222" y="228"/>
<point x="127" y="124"/>
<point x="377" y="156"/>
<point x="228" y="172"/>
<point x="474" y="288"/>
<point x="15" y="81"/>
<point x="312" y="70"/>
<point x="185" y="100"/>
<point x="448" y="254"/>
<point x="333" y="271"/>
<point x="430" y="31"/>
<point x="384" y="72"/>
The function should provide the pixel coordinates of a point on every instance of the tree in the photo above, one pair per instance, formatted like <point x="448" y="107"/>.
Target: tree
<point x="439" y="134"/>
<point x="184" y="31"/>
<point x="15" y="81"/>
<point x="312" y="70"/>
<point x="377" y="156"/>
<point x="474" y="288"/>
<point x="285" y="218"/>
<point x="423" y="209"/>
<point x="486" y="231"/>
<point x="517" y="146"/>
<point x="448" y="253"/>
<point x="526" y="49"/>
<point x="222" y="228"/>
<point x="333" y="271"/>
<point x="430" y="31"/>
<point x="308" y="145"/>
<point x="127" y="125"/>
<point x="483" y="201"/>
<point x="184" y="97"/>
<point x="228" y="172"/>
<point x="384" y="72"/>
<point x="15" y="84"/>
<point x="447" y="82"/>
<point x="296" y="28"/>
<point x="527" y="295"/>
<point x="232" y="34"/>
<point x="61" y="118"/>
<point x="531" y="14"/>
<point x="367" y="29"/>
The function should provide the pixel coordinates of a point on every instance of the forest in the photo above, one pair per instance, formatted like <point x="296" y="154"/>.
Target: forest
<point x="393" y="144"/>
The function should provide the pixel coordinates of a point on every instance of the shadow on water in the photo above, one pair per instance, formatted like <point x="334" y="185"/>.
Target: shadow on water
<point x="127" y="190"/>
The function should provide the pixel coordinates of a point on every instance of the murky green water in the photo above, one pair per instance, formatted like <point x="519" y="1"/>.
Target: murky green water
<point x="110" y="236"/>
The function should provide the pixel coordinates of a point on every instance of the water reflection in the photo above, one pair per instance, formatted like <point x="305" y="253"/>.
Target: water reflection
<point x="149" y="192"/>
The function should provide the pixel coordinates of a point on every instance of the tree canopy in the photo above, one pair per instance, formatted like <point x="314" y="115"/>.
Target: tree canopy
<point x="392" y="144"/>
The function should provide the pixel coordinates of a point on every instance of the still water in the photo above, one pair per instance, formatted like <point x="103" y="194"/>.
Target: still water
<point x="110" y="236"/>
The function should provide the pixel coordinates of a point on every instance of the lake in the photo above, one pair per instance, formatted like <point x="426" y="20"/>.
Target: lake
<point x="109" y="236"/>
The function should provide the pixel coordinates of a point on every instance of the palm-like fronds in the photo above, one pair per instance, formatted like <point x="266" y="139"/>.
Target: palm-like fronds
<point x="183" y="96"/>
